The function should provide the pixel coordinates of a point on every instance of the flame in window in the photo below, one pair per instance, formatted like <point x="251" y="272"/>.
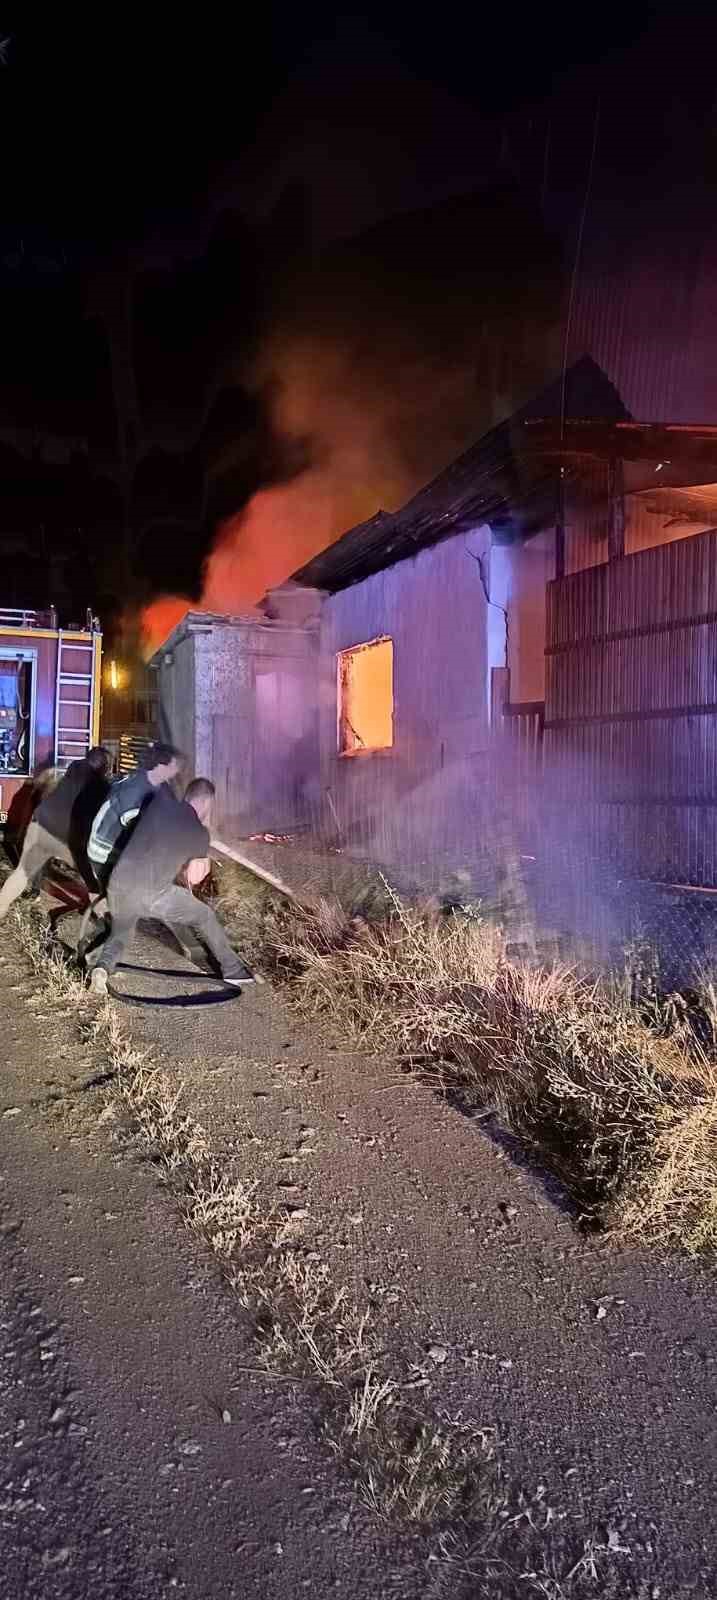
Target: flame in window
<point x="365" y="697"/>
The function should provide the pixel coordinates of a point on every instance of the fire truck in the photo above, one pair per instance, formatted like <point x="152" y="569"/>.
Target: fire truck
<point x="50" y="693"/>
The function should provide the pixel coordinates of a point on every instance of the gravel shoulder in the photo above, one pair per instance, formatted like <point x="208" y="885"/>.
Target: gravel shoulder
<point x="118" y="1354"/>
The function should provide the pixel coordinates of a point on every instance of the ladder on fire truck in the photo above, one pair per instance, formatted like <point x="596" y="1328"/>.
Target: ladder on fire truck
<point x="74" y="699"/>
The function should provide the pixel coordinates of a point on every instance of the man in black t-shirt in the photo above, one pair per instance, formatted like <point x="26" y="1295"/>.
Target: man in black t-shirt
<point x="168" y="834"/>
<point x="60" y="826"/>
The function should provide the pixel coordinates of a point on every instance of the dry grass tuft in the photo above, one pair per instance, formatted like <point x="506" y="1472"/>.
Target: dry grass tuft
<point x="622" y="1112"/>
<point x="489" y="1572"/>
<point x="62" y="985"/>
<point x="427" y="1472"/>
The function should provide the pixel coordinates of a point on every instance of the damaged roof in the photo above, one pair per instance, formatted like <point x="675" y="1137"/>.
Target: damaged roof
<point x="501" y="480"/>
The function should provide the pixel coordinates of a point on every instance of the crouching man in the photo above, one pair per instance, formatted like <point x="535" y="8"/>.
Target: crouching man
<point x="167" y="835"/>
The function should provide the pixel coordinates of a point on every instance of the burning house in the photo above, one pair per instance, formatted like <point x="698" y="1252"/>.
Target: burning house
<point x="554" y="587"/>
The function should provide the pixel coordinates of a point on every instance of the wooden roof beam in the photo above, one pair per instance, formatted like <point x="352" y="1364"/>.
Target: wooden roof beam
<point x="622" y="441"/>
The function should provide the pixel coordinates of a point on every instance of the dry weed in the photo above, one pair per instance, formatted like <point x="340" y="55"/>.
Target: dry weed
<point x="623" y="1112"/>
<point x="674" y="1192"/>
<point x="410" y="1468"/>
<point x="486" y="1566"/>
<point x="243" y="905"/>
<point x="707" y="994"/>
<point x="61" y="985"/>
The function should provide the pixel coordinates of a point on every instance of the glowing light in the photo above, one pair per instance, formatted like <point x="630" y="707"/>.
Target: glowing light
<point x="115" y="676"/>
<point x="365" y="697"/>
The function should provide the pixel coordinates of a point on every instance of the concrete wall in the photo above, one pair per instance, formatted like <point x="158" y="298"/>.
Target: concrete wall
<point x="240" y="698"/>
<point x="175" y="685"/>
<point x="522" y="574"/>
<point x="427" y="793"/>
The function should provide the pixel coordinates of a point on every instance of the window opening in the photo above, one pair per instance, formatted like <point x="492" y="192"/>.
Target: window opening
<point x="365" y="697"/>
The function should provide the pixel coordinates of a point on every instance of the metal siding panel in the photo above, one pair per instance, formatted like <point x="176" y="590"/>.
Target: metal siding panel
<point x="633" y="642"/>
<point x="426" y="796"/>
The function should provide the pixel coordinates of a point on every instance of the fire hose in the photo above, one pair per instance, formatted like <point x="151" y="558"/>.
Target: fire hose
<point x="205" y="997"/>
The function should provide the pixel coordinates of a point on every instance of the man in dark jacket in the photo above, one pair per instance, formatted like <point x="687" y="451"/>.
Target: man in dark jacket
<point x="60" y="826"/>
<point x="168" y="834"/>
<point x="126" y="799"/>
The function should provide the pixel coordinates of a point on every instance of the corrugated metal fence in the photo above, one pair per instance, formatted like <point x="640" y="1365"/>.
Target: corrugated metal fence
<point x="631" y="707"/>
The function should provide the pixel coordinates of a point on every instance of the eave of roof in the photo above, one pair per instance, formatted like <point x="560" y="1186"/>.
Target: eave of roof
<point x="498" y="480"/>
<point x="578" y="439"/>
<point x="508" y="480"/>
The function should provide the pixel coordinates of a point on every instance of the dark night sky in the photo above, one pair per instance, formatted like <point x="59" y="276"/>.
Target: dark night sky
<point x="118" y="132"/>
<point x="110" y="123"/>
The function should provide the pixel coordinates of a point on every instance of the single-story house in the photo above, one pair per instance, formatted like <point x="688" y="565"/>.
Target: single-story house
<point x="541" y="618"/>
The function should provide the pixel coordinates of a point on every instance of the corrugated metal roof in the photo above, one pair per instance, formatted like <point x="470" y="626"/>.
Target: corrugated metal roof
<point x="497" y="480"/>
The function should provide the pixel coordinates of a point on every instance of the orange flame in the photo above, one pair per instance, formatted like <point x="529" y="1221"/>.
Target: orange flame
<point x="278" y="531"/>
<point x="159" y="619"/>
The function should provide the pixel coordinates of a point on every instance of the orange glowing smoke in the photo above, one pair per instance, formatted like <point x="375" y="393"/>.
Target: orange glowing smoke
<point x="359" y="468"/>
<point x="159" y="619"/>
<point x="386" y="358"/>
<point x="277" y="533"/>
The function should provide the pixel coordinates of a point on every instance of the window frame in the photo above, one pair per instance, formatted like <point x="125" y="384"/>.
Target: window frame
<point x="343" y="656"/>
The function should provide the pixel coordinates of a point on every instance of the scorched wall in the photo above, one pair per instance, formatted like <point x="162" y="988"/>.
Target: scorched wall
<point x="427" y="793"/>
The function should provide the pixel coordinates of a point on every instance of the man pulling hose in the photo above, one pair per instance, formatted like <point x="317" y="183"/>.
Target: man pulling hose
<point x="59" y="828"/>
<point x="167" y="835"/>
<point x="127" y="797"/>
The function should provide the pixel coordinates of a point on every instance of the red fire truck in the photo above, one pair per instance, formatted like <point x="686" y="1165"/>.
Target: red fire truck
<point x="50" y="692"/>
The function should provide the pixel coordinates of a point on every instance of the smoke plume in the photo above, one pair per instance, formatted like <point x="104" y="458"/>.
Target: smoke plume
<point x="380" y="362"/>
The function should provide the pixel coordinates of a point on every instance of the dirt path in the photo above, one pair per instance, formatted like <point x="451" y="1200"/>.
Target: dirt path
<point x="118" y="1354"/>
<point x="597" y="1369"/>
